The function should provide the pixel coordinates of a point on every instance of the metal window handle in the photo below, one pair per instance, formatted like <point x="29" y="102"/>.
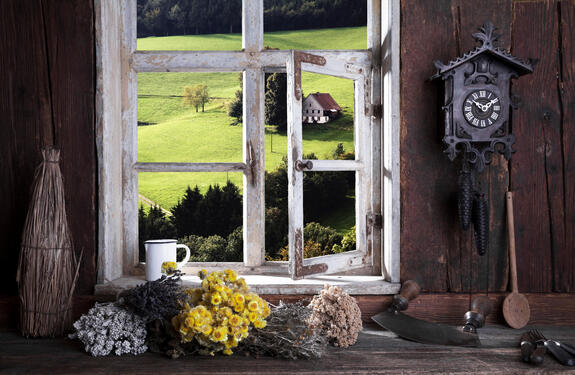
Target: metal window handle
<point x="301" y="165"/>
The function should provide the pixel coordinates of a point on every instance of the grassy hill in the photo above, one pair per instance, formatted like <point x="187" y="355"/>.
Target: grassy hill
<point x="179" y="134"/>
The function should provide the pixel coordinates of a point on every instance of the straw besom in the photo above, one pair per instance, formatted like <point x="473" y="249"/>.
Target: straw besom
<point x="48" y="268"/>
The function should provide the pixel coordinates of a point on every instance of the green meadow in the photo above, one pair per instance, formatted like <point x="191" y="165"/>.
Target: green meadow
<point x="172" y="132"/>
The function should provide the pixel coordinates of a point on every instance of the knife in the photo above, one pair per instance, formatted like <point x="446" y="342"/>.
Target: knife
<point x="432" y="333"/>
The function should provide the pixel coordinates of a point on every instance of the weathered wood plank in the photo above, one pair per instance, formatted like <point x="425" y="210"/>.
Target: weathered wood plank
<point x="376" y="352"/>
<point x="46" y="96"/>
<point x="564" y="257"/>
<point x="428" y="216"/>
<point x="536" y="167"/>
<point x="487" y="272"/>
<point x="69" y="28"/>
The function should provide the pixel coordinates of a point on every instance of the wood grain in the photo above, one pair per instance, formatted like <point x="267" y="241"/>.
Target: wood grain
<point x="47" y="91"/>
<point x="534" y="167"/>
<point x="564" y="256"/>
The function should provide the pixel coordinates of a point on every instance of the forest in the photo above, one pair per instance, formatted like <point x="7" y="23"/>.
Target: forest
<point x="185" y="17"/>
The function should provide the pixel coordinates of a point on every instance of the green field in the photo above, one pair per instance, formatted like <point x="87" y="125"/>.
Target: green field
<point x="176" y="133"/>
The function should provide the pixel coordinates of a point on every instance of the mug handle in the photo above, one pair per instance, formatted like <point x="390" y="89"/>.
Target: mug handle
<point x="186" y="258"/>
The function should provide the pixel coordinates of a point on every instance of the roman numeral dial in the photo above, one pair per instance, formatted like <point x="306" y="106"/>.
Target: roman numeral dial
<point x="482" y="108"/>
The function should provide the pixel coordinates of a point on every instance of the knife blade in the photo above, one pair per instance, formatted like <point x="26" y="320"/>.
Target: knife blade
<point x="425" y="332"/>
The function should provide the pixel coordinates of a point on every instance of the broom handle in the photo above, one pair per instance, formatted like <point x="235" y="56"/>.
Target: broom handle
<point x="511" y="234"/>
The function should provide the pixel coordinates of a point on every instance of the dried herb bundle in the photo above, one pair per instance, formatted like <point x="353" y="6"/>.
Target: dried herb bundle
<point x="337" y="314"/>
<point x="163" y="338"/>
<point x="287" y="335"/>
<point x="108" y="328"/>
<point x="158" y="299"/>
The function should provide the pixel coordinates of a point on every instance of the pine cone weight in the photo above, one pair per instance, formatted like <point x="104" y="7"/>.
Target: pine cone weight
<point x="481" y="222"/>
<point x="465" y="198"/>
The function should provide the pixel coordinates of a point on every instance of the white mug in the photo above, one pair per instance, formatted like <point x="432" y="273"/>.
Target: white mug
<point x="160" y="251"/>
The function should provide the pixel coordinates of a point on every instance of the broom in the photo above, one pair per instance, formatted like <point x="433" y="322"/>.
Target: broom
<point x="47" y="268"/>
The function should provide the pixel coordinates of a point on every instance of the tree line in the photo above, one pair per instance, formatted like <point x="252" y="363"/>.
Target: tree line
<point x="183" y="17"/>
<point x="211" y="223"/>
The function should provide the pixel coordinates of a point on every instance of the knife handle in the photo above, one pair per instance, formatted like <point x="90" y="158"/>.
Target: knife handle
<point x="409" y="290"/>
<point x="537" y="356"/>
<point x="480" y="308"/>
<point x="561" y="355"/>
<point x="568" y="348"/>
<point x="527" y="347"/>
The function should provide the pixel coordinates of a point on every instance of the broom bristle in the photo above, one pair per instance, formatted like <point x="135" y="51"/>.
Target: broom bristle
<point x="47" y="268"/>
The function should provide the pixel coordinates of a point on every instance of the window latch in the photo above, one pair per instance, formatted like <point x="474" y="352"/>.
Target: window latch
<point x="301" y="165"/>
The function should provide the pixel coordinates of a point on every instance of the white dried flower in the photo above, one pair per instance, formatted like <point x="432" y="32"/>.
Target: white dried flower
<point x="337" y="314"/>
<point x="109" y="328"/>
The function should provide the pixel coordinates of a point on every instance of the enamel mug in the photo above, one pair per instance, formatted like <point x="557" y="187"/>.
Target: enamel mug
<point x="160" y="251"/>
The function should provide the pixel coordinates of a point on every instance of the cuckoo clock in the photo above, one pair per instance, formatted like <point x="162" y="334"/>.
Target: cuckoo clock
<point x="476" y="114"/>
<point x="477" y="100"/>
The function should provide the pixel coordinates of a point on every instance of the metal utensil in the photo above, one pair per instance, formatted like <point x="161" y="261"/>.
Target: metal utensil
<point x="530" y="353"/>
<point x="560" y="352"/>
<point x="430" y="333"/>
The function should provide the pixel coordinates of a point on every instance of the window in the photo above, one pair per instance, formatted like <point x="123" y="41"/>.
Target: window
<point x="374" y="72"/>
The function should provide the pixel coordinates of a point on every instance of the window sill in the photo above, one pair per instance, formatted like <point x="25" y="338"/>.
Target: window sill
<point x="274" y="284"/>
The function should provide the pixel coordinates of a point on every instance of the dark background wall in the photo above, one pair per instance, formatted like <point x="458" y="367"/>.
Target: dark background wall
<point x="47" y="94"/>
<point x="541" y="173"/>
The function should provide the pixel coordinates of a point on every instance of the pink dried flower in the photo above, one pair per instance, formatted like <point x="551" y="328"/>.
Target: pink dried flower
<point x="337" y="314"/>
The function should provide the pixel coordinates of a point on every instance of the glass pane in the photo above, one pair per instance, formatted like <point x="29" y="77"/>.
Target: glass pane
<point x="197" y="25"/>
<point x="315" y="24"/>
<point x="327" y="115"/>
<point x="201" y="210"/>
<point x="186" y="117"/>
<point x="329" y="213"/>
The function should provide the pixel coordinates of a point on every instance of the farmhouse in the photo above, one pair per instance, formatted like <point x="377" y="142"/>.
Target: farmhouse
<point x="319" y="108"/>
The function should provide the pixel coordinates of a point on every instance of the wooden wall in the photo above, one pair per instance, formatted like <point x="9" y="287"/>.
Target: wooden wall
<point x="541" y="173"/>
<point x="47" y="87"/>
<point x="47" y="93"/>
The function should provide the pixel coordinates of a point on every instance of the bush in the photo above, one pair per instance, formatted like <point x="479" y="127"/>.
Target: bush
<point x="326" y="237"/>
<point x="153" y="225"/>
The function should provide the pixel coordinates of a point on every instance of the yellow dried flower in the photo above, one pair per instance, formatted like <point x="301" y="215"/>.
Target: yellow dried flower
<point x="169" y="267"/>
<point x="227" y="352"/>
<point x="219" y="334"/>
<point x="253" y="305"/>
<point x="235" y="320"/>
<point x="216" y="299"/>
<point x="252" y="316"/>
<point x="260" y="323"/>
<point x="239" y="299"/>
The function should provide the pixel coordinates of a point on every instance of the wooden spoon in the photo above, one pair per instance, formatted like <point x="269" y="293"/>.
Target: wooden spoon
<point x="515" y="306"/>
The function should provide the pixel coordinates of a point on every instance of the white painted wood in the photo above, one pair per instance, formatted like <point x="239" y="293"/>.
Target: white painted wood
<point x="295" y="178"/>
<point x="273" y="284"/>
<point x="109" y="139"/>
<point x="130" y="136"/>
<point x="253" y="25"/>
<point x="254" y="174"/>
<point x="337" y="61"/>
<point x="336" y="263"/>
<point x="374" y="40"/>
<point x="190" y="167"/>
<point x="390" y="18"/>
<point x="335" y="165"/>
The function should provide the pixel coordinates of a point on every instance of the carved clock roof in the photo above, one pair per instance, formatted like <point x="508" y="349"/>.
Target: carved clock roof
<point x="487" y="37"/>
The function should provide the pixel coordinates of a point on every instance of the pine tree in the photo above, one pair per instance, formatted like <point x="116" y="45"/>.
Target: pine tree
<point x="185" y="214"/>
<point x="276" y="100"/>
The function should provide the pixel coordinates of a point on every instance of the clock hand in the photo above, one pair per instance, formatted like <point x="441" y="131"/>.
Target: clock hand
<point x="480" y="106"/>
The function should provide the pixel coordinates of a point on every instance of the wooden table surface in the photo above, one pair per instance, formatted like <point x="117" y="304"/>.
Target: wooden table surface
<point x="376" y="352"/>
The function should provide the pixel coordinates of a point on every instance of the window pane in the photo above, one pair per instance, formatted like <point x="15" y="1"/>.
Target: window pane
<point x="186" y="117"/>
<point x="201" y="210"/>
<point x="315" y="24"/>
<point x="327" y="114"/>
<point x="197" y="25"/>
<point x="329" y="213"/>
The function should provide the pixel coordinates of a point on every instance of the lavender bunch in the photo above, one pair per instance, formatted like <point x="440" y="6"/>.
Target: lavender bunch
<point x="109" y="328"/>
<point x="157" y="299"/>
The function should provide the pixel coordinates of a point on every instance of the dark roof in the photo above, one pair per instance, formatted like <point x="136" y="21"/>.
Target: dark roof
<point x="326" y="101"/>
<point x="487" y="37"/>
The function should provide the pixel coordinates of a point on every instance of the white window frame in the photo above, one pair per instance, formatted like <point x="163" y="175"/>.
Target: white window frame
<point x="118" y="63"/>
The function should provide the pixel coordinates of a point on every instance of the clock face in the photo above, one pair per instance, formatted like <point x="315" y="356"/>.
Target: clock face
<point x="482" y="108"/>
